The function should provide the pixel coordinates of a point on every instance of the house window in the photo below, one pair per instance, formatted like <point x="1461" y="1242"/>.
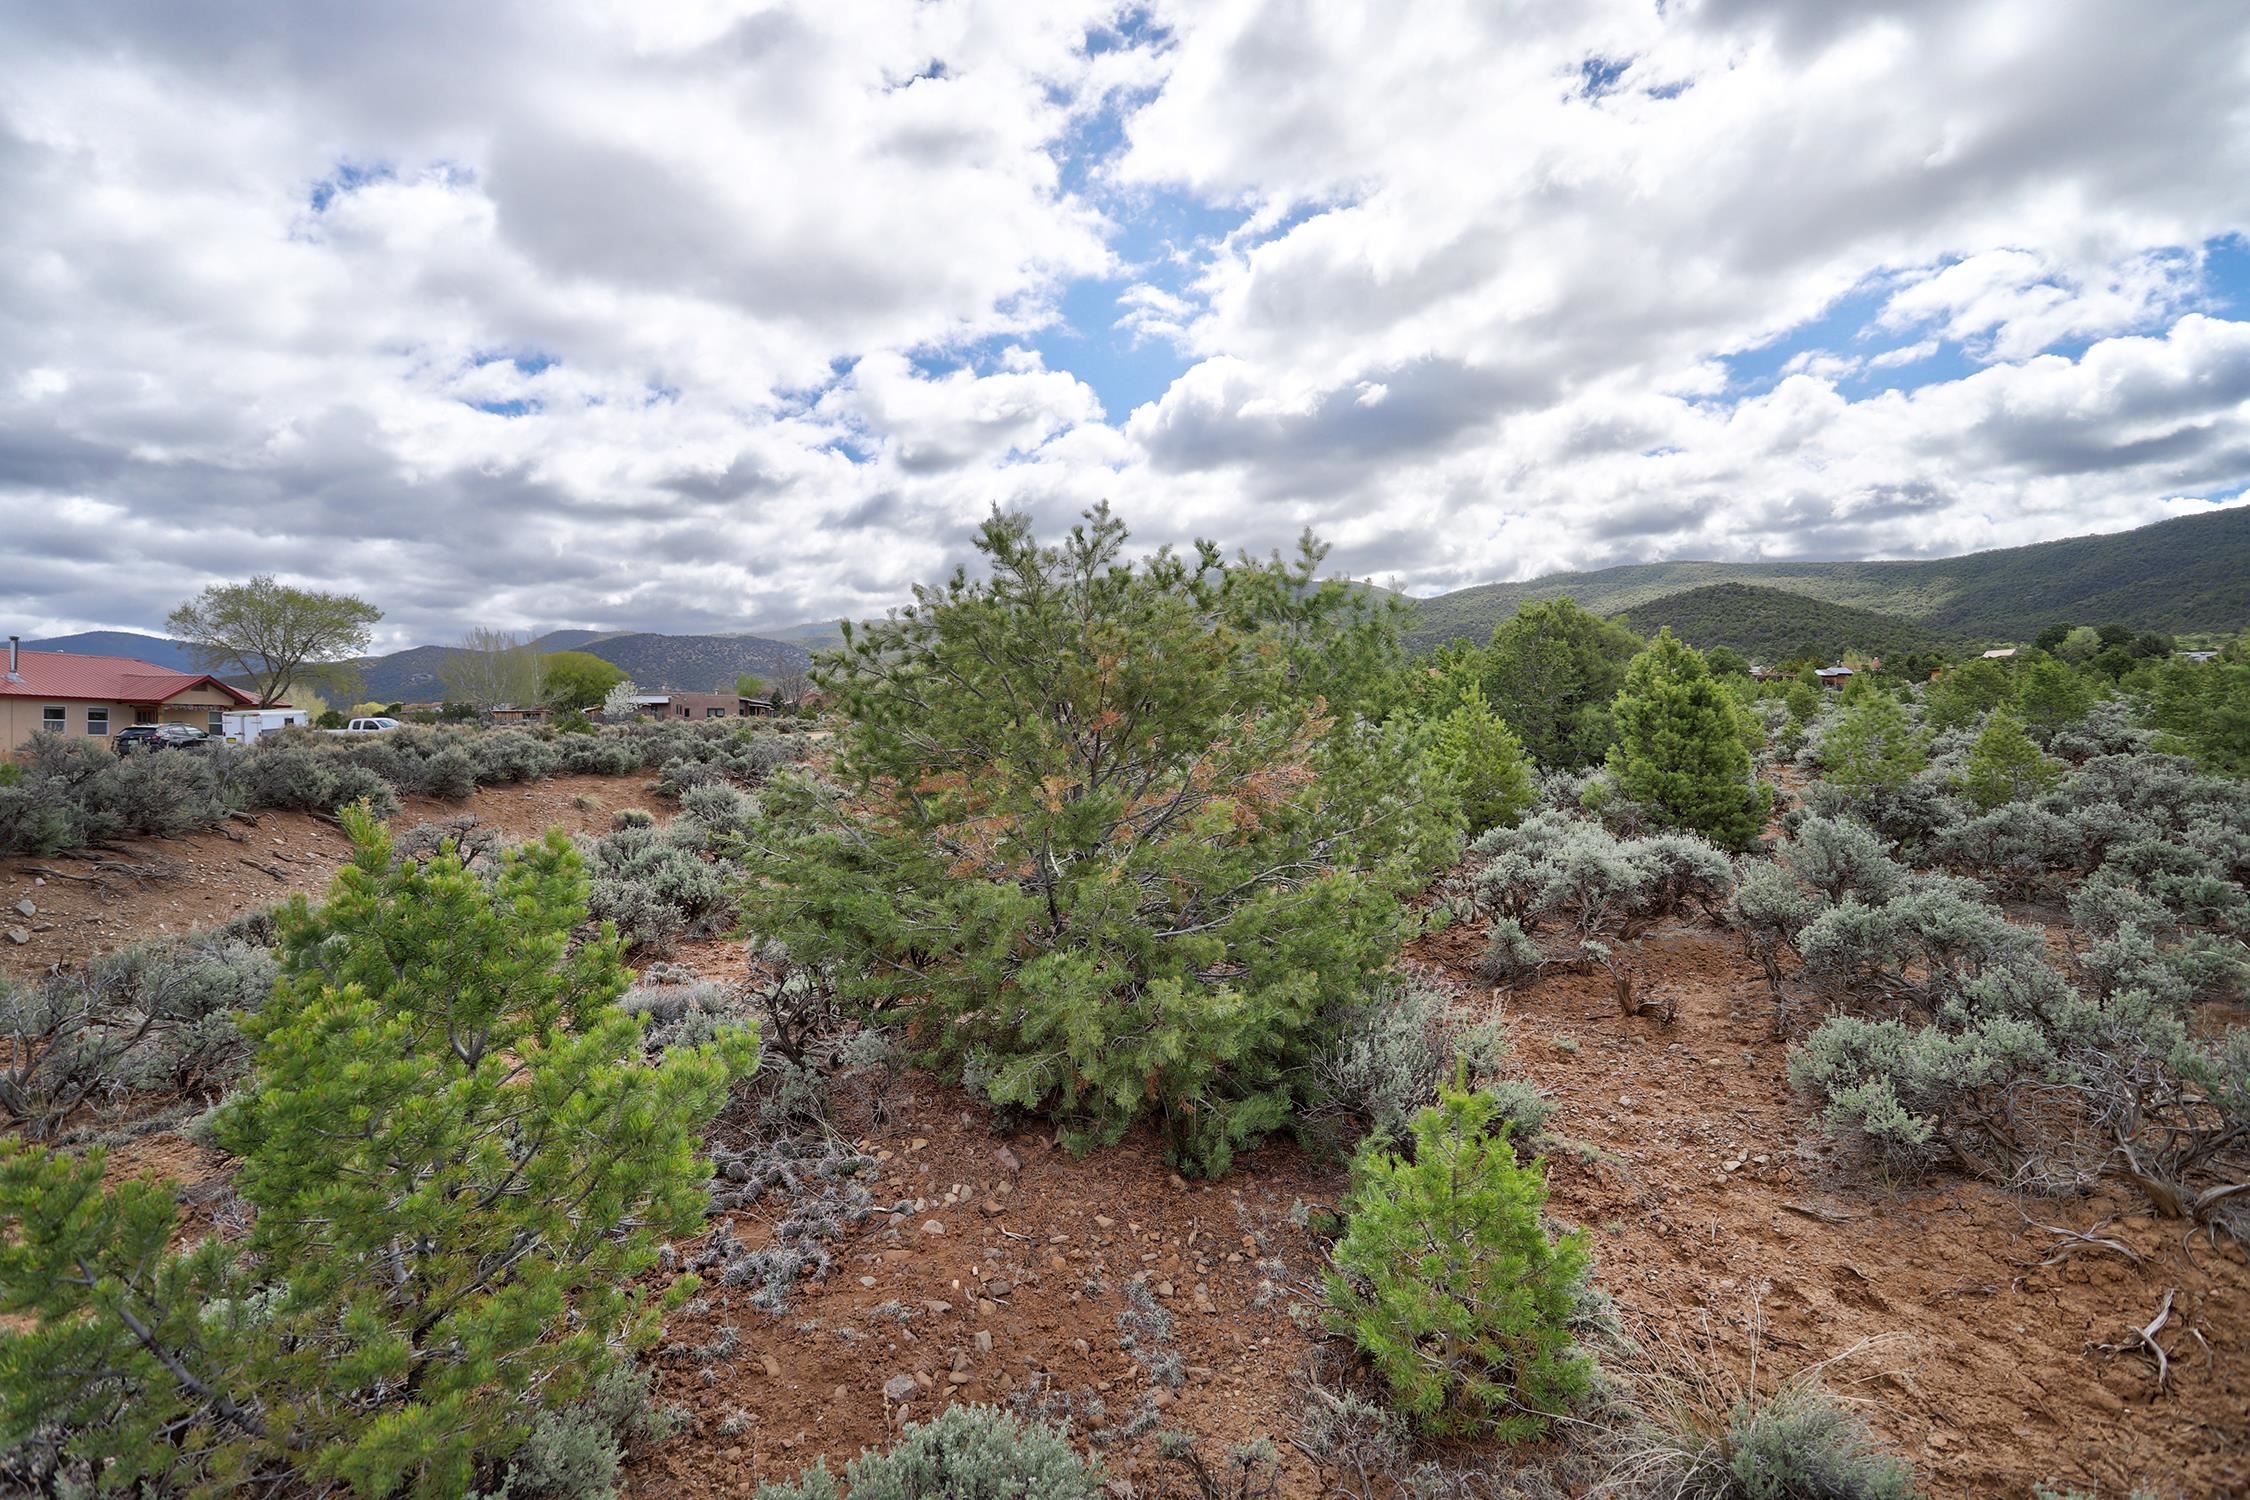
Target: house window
<point x="97" y="721"/>
<point x="714" y="713"/>
<point x="217" y="723"/>
<point x="54" y="718"/>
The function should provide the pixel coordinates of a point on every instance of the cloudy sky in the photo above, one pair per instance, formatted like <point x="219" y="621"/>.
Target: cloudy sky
<point x="708" y="316"/>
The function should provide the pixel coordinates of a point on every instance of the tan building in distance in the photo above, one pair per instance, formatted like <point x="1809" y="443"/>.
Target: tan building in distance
<point x="59" y="692"/>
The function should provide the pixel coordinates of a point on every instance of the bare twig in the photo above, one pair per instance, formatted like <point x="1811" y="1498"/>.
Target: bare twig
<point x="2144" y="1341"/>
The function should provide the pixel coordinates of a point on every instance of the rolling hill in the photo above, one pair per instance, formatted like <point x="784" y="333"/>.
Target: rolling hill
<point x="691" y="663"/>
<point x="1772" y="625"/>
<point x="153" y="649"/>
<point x="2190" y="574"/>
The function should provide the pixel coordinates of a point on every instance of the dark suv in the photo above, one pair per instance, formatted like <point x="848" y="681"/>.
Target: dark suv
<point x="160" y="737"/>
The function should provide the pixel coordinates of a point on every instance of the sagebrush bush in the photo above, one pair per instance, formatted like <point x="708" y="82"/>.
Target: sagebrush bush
<point x="963" y="1453"/>
<point x="508" y="755"/>
<point x="1921" y="946"/>
<point x="351" y="785"/>
<point x="1840" y="857"/>
<point x="292" y="777"/>
<point x="1921" y="1094"/>
<point x="449" y="774"/>
<point x="1447" y="1279"/>
<point x="1800" y="1444"/>
<point x="154" y="1017"/>
<point x="1394" y="1051"/>
<point x="1509" y="953"/>
<point x="656" y="886"/>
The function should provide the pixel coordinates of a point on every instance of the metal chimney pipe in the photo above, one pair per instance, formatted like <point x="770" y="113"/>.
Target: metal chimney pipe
<point x="12" y="640"/>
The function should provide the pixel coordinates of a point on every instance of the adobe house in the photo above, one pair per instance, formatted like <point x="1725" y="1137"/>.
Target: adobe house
<point x="59" y="692"/>
<point x="669" y="704"/>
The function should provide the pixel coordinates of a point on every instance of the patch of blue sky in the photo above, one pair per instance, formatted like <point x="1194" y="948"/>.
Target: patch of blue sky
<point x="348" y="176"/>
<point x="526" y="361"/>
<point x="2226" y="277"/>
<point x="520" y="407"/>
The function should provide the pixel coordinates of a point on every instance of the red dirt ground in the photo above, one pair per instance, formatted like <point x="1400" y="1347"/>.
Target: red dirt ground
<point x="1982" y="1371"/>
<point x="208" y="879"/>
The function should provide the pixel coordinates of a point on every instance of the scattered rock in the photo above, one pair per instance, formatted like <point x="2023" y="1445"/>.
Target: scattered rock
<point x="899" y="1387"/>
<point x="998" y="1288"/>
<point x="18" y="936"/>
<point x="933" y="1227"/>
<point x="24" y="908"/>
<point x="984" y="1341"/>
<point x="773" y="1366"/>
<point x="1104" y="1221"/>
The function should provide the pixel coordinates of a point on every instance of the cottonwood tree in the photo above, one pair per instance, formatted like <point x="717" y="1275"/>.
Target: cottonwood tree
<point x="492" y="668"/>
<point x="271" y="633"/>
<point x="1100" y="836"/>
<point x="460" y="1165"/>
<point x="575" y="681"/>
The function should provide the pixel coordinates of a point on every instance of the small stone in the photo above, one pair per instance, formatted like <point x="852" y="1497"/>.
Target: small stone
<point x="987" y="1306"/>
<point x="866" y="1281"/>
<point x="991" y="1208"/>
<point x="899" y="1387"/>
<point x="1624" y="1101"/>
<point x="1177" y="1181"/>
<point x="959" y="1377"/>
<point x="918" y="1143"/>
<point x="935" y="1308"/>
<point x="1733" y="1166"/>
<point x="773" y="1366"/>
<point x="998" y="1288"/>
<point x="26" y="909"/>
<point x="922" y="1379"/>
<point x="1007" y="1158"/>
<point x="1164" y="1289"/>
<point x="984" y="1341"/>
<point x="933" y="1227"/>
<point x="1160" y="1398"/>
<point x="18" y="936"/>
<point x="1104" y="1221"/>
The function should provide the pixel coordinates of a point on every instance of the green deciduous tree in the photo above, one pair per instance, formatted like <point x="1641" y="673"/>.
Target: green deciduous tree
<point x="747" y="685"/>
<point x="576" y="680"/>
<point x="1103" y="836"/>
<point x="1874" y="746"/>
<point x="2005" y="766"/>
<point x="1680" y="750"/>
<point x="1551" y="672"/>
<point x="273" y="634"/>
<point x="460" y="1165"/>
<point x="492" y="668"/>
<point x="1450" y="1282"/>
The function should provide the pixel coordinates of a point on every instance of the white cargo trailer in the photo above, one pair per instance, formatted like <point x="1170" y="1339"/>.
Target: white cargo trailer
<point x="244" y="726"/>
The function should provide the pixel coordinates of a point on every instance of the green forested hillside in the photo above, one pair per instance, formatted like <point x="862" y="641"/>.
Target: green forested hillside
<point x="1771" y="625"/>
<point x="2192" y="574"/>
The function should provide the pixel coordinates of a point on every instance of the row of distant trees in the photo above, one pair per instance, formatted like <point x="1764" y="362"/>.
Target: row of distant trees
<point x="276" y="637"/>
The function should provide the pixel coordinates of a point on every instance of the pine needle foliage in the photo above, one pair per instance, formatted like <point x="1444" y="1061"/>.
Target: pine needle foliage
<point x="1450" y="1283"/>
<point x="1874" y="746"/>
<point x="460" y="1165"/>
<point x="1111" y="835"/>
<point x="2005" y="766"/>
<point x="1680" y="752"/>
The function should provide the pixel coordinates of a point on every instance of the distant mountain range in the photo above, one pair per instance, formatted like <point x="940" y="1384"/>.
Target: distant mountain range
<point x="2192" y="574"/>
<point x="690" y="663"/>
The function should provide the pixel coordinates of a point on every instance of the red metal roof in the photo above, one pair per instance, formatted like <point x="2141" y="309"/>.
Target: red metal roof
<point x="117" y="679"/>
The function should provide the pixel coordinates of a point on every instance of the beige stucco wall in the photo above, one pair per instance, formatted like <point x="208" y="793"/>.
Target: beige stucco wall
<point x="21" y="718"/>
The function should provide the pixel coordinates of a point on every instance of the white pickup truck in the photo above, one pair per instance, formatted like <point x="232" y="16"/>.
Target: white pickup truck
<point x="366" y="726"/>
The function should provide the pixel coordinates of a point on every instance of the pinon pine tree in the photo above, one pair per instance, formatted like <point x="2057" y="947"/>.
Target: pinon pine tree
<point x="2005" y="766"/>
<point x="1874" y="746"/>
<point x="1108" y="838"/>
<point x="1680" y="751"/>
<point x="1451" y="1284"/>
<point x="460" y="1165"/>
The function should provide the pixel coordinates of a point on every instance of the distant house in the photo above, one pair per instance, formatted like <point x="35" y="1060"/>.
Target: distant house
<point x="1834" y="677"/>
<point x="2006" y="653"/>
<point x="2199" y="656"/>
<point x="59" y="692"/>
<point x="509" y="714"/>
<point x="676" y="705"/>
